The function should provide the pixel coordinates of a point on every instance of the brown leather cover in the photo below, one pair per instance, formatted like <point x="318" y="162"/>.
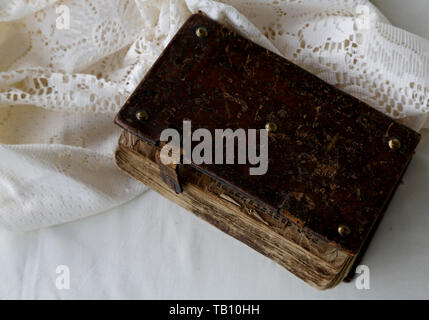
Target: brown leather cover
<point x="330" y="163"/>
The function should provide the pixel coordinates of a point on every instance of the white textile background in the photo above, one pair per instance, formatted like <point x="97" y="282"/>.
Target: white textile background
<point x="151" y="248"/>
<point x="60" y="88"/>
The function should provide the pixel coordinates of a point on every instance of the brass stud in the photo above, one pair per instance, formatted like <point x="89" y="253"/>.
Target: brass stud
<point x="142" y="115"/>
<point x="201" y="32"/>
<point x="343" y="230"/>
<point x="394" y="144"/>
<point x="271" y="127"/>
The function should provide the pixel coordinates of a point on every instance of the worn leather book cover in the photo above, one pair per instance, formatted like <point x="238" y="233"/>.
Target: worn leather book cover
<point x="333" y="161"/>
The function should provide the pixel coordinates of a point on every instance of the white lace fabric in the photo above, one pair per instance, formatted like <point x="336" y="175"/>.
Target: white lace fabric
<point x="61" y="88"/>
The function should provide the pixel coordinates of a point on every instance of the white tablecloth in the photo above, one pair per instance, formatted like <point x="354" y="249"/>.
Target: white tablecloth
<point x="158" y="250"/>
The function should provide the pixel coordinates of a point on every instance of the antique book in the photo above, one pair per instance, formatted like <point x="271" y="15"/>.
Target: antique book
<point x="333" y="162"/>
